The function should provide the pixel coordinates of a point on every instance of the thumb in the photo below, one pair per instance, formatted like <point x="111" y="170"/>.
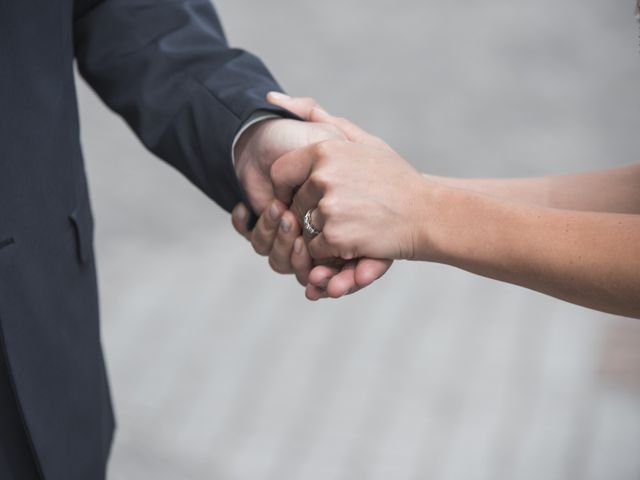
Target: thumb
<point x="350" y="129"/>
<point x="300" y="106"/>
<point x="310" y="110"/>
<point x="239" y="218"/>
<point x="292" y="170"/>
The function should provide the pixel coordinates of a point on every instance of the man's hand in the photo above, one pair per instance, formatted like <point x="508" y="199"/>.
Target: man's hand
<point x="277" y="233"/>
<point x="266" y="141"/>
<point x="324" y="280"/>
<point x="327" y="281"/>
<point x="364" y="201"/>
<point x="277" y="236"/>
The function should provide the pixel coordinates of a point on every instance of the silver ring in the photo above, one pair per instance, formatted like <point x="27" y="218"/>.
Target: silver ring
<point x="309" y="226"/>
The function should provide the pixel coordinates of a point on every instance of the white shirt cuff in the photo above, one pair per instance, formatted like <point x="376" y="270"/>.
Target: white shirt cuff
<point x="258" y="116"/>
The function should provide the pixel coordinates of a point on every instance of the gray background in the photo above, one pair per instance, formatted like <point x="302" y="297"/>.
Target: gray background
<point x="220" y="368"/>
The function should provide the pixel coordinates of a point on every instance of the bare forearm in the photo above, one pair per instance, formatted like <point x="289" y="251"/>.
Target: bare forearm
<point x="591" y="259"/>
<point x="615" y="190"/>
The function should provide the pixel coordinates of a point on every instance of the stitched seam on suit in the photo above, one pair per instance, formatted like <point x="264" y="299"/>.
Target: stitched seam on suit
<point x="21" y="412"/>
<point x="214" y="96"/>
<point x="6" y="242"/>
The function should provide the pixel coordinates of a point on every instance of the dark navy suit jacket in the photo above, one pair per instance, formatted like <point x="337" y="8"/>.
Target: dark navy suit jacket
<point x="165" y="66"/>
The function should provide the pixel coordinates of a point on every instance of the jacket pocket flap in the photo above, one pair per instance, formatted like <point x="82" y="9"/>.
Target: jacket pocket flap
<point x="82" y="221"/>
<point x="5" y="242"/>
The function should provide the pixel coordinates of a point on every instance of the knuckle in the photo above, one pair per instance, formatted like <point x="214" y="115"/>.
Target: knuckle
<point x="332" y="235"/>
<point x="278" y="174"/>
<point x="310" y="100"/>
<point x="334" y="132"/>
<point x="301" y="271"/>
<point x="319" y="149"/>
<point x="326" y="207"/>
<point x="324" y="149"/>
<point x="348" y="254"/>
<point x="278" y="266"/>
<point x="260" y="250"/>
<point x="301" y="268"/>
<point x="259" y="245"/>
<point x="313" y="251"/>
<point x="274" y="171"/>
<point x="324" y="162"/>
<point x="320" y="179"/>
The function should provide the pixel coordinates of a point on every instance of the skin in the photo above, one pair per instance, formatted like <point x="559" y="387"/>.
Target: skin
<point x="617" y="190"/>
<point x="255" y="152"/>
<point x="277" y="234"/>
<point x="575" y="237"/>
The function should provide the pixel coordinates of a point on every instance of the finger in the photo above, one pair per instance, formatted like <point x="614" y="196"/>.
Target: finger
<point x="344" y="282"/>
<point x="308" y="109"/>
<point x="282" y="249"/>
<point x="306" y="200"/>
<point x="301" y="261"/>
<point x="292" y="170"/>
<point x="321" y="275"/>
<point x="353" y="132"/>
<point x="314" y="293"/>
<point x="263" y="235"/>
<point x="350" y="129"/>
<point x="239" y="218"/>
<point x="302" y="107"/>
<point x="368" y="270"/>
<point x="319" y="249"/>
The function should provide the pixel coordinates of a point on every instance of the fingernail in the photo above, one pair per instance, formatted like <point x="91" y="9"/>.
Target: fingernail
<point x="274" y="212"/>
<point x="297" y="246"/>
<point x="241" y="213"/>
<point x="279" y="96"/>
<point x="285" y="225"/>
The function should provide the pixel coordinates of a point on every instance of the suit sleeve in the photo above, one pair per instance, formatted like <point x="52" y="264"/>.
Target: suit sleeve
<point x="166" y="67"/>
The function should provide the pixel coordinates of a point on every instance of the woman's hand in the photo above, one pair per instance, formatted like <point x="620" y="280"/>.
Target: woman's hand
<point x="368" y="201"/>
<point x="365" y="198"/>
<point x="324" y="280"/>
<point x="365" y="201"/>
<point x="276" y="231"/>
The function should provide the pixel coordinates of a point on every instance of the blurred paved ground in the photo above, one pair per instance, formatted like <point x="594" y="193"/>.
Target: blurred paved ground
<point x="221" y="370"/>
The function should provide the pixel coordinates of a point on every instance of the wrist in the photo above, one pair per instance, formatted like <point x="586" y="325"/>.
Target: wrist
<point x="447" y="227"/>
<point x="247" y="145"/>
<point x="431" y="199"/>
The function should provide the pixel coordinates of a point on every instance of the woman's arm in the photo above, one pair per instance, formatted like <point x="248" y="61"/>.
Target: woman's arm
<point x="591" y="259"/>
<point x="614" y="190"/>
<point x="368" y="201"/>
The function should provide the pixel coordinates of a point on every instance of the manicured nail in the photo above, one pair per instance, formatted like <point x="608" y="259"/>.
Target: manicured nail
<point x="279" y="96"/>
<point x="285" y="225"/>
<point x="297" y="246"/>
<point x="241" y="213"/>
<point x="274" y="212"/>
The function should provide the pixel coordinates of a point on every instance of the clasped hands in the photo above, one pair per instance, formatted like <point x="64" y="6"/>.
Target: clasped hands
<point x="361" y="194"/>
